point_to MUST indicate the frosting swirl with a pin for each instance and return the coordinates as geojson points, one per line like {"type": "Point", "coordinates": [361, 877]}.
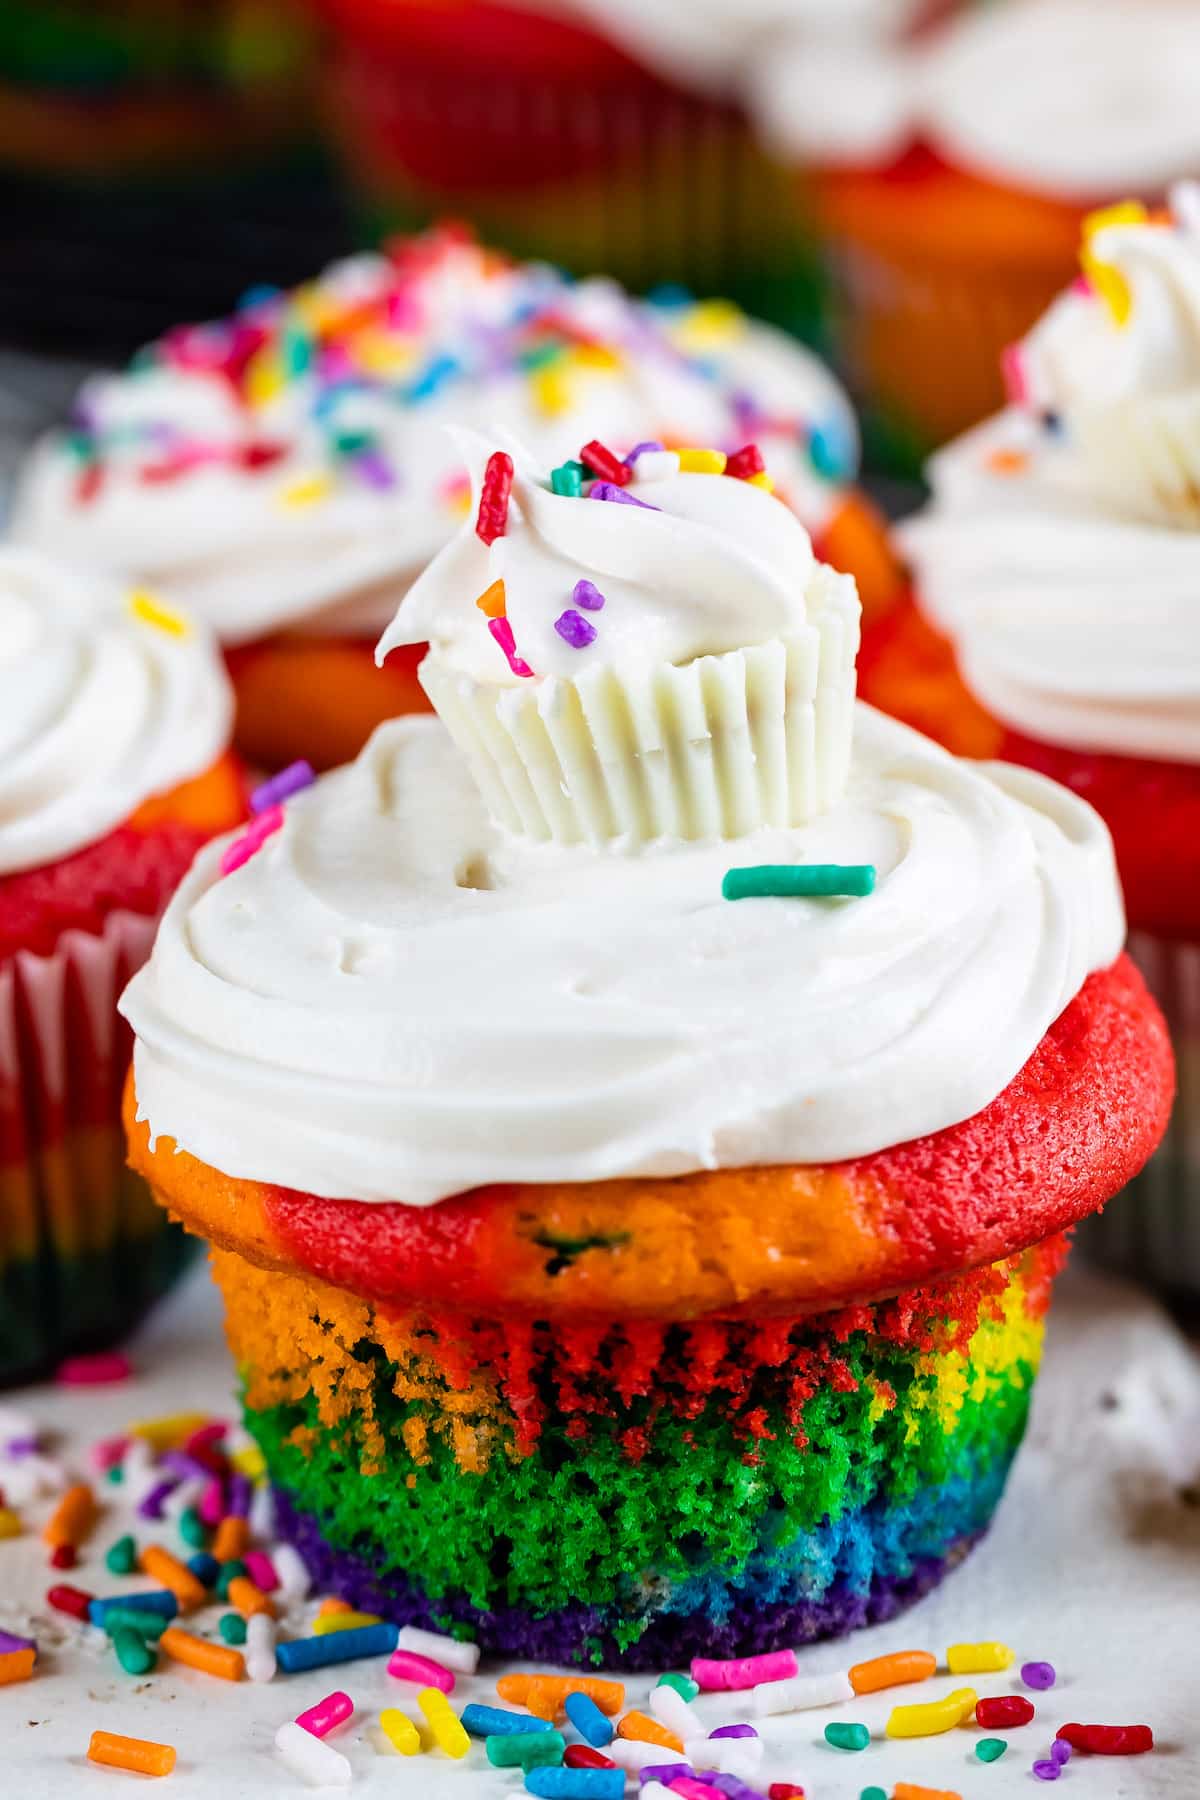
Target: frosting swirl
{"type": "Point", "coordinates": [394, 1000]}
{"type": "Point", "coordinates": [290, 466]}
{"type": "Point", "coordinates": [101, 706]}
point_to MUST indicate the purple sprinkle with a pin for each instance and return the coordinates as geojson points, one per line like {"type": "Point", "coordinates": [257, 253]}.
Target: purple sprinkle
{"type": "Point", "coordinates": [18, 1447]}
{"type": "Point", "coordinates": [238, 1504]}
{"type": "Point", "coordinates": [574, 629]}
{"type": "Point", "coordinates": [186, 1467]}
{"type": "Point", "coordinates": [289, 781]}
{"type": "Point", "coordinates": [1038, 1674]}
{"type": "Point", "coordinates": [647, 444]}
{"type": "Point", "coordinates": [587, 595]}
{"type": "Point", "coordinates": [375, 469]}
{"type": "Point", "coordinates": [1060, 1751]}
{"type": "Point", "coordinates": [151, 1507]}
{"type": "Point", "coordinates": [1045, 1770]}
{"type": "Point", "coordinates": [608, 490]}
{"type": "Point", "coordinates": [731, 1785]}
{"type": "Point", "coordinates": [9, 1642]}
{"type": "Point", "coordinates": [664, 1772]}
{"type": "Point", "coordinates": [734, 1731]}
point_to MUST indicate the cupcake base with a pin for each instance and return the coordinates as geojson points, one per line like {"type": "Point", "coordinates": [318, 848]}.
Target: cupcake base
{"type": "Point", "coordinates": [635, 1493]}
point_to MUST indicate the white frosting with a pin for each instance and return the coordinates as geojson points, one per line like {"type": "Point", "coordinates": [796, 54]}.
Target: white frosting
{"type": "Point", "coordinates": [394, 1001]}
{"type": "Point", "coordinates": [99, 710]}
{"type": "Point", "coordinates": [718, 565]}
{"type": "Point", "coordinates": [230, 544]}
{"type": "Point", "coordinates": [1066, 97]}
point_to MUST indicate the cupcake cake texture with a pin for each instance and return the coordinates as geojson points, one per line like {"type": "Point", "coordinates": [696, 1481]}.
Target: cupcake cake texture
{"type": "Point", "coordinates": [950, 162]}
{"type": "Point", "coordinates": [285, 474]}
{"type": "Point", "coordinates": [1052, 622]}
{"type": "Point", "coordinates": [604, 138]}
{"type": "Point", "coordinates": [633, 1244]}
{"type": "Point", "coordinates": [115, 718]}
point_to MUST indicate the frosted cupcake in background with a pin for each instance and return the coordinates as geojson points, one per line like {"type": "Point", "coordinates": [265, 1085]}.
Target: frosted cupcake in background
{"type": "Point", "coordinates": [286, 473]}
{"type": "Point", "coordinates": [638, 1112]}
{"type": "Point", "coordinates": [1055, 624]}
{"type": "Point", "coordinates": [115, 718]}
{"type": "Point", "coordinates": [951, 169]}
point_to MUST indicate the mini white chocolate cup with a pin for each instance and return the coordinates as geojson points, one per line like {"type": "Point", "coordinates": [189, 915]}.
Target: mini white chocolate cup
{"type": "Point", "coordinates": [713, 748]}
{"type": "Point", "coordinates": [1143, 456]}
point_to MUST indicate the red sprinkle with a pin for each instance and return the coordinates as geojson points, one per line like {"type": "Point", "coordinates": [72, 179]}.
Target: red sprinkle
{"type": "Point", "coordinates": [259, 455]}
{"type": "Point", "coordinates": [63, 1556]}
{"type": "Point", "coordinates": [1004, 1710]}
{"type": "Point", "coordinates": [1108, 1740]}
{"type": "Point", "coordinates": [603, 463]}
{"type": "Point", "coordinates": [91, 1371]}
{"type": "Point", "coordinates": [745, 462]}
{"type": "Point", "coordinates": [492, 516]}
{"type": "Point", "coordinates": [88, 484]}
{"type": "Point", "coordinates": [582, 1756]}
{"type": "Point", "coordinates": [71, 1600]}
{"type": "Point", "coordinates": [785, 1790]}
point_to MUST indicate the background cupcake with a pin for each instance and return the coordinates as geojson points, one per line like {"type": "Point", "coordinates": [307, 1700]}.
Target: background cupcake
{"type": "Point", "coordinates": [603, 138]}
{"type": "Point", "coordinates": [114, 724]}
{"type": "Point", "coordinates": [951, 169]}
{"type": "Point", "coordinates": [741, 1233]}
{"type": "Point", "coordinates": [286, 473]}
{"type": "Point", "coordinates": [1054, 624]}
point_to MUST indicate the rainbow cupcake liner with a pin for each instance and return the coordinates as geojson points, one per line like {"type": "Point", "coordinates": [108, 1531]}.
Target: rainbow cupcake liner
{"type": "Point", "coordinates": [635, 1493]}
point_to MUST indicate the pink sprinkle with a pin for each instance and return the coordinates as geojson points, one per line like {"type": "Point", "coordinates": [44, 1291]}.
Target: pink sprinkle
{"type": "Point", "coordinates": [502, 631]}
{"type": "Point", "coordinates": [744, 1671]}
{"type": "Point", "coordinates": [688, 1788]}
{"type": "Point", "coordinates": [319, 1720]}
{"type": "Point", "coordinates": [1082, 284]}
{"type": "Point", "coordinates": [252, 839]}
{"type": "Point", "coordinates": [406, 1665]}
{"type": "Point", "coordinates": [108, 1452]}
{"type": "Point", "coordinates": [261, 1571]}
{"type": "Point", "coordinates": [1012, 368]}
{"type": "Point", "coordinates": [212, 1504]}
{"type": "Point", "coordinates": [92, 1371]}
{"type": "Point", "coordinates": [403, 311]}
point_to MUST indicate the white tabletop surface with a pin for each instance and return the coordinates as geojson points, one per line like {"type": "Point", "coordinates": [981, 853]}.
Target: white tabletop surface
{"type": "Point", "coordinates": [1094, 1565]}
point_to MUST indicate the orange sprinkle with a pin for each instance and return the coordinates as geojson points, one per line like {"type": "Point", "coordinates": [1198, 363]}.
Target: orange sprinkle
{"type": "Point", "coordinates": [233, 1535]}
{"type": "Point", "coordinates": [72, 1518]}
{"type": "Point", "coordinates": [909, 1790]}
{"type": "Point", "coordinates": [170, 1573]}
{"type": "Point", "coordinates": [645, 1730]}
{"type": "Point", "coordinates": [608, 1695]}
{"type": "Point", "coordinates": [544, 1700]}
{"type": "Point", "coordinates": [1007, 462]}
{"type": "Point", "coordinates": [136, 1754]}
{"type": "Point", "coordinates": [212, 1659]}
{"type": "Point", "coordinates": [493, 601]}
{"type": "Point", "coordinates": [892, 1671]}
{"type": "Point", "coordinates": [249, 1599]}
{"type": "Point", "coordinates": [16, 1665]}
{"type": "Point", "coordinates": [331, 1604]}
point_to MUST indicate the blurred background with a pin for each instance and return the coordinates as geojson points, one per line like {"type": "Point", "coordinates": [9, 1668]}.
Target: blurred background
{"type": "Point", "coordinates": [899, 182]}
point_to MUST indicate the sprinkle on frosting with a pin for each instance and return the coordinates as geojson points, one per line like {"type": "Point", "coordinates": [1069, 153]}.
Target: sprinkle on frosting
{"type": "Point", "coordinates": [799, 880]}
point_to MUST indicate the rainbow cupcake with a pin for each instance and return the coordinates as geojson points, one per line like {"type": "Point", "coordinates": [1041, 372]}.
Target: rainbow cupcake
{"type": "Point", "coordinates": [1052, 617]}
{"type": "Point", "coordinates": [286, 473]}
{"type": "Point", "coordinates": [114, 725]}
{"type": "Point", "coordinates": [632, 1248]}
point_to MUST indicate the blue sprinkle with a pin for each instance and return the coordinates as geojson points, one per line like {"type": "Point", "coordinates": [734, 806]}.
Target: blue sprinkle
{"type": "Point", "coordinates": [204, 1567]}
{"type": "Point", "coordinates": [434, 375]}
{"type": "Point", "coordinates": [831, 451]}
{"type": "Point", "coordinates": [495, 1721]}
{"type": "Point", "coordinates": [576, 1784]}
{"type": "Point", "coordinates": [671, 294]}
{"type": "Point", "coordinates": [336, 1647]}
{"type": "Point", "coordinates": [160, 1601]}
{"type": "Point", "coordinates": [263, 294]}
{"type": "Point", "coordinates": [588, 1720]}
{"type": "Point", "coordinates": [575, 630]}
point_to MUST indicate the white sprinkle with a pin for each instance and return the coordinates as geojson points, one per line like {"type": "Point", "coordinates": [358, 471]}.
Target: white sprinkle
{"type": "Point", "coordinates": [632, 1753]}
{"type": "Point", "coordinates": [672, 1710]}
{"type": "Point", "coordinates": [447, 1650]}
{"type": "Point", "coordinates": [260, 1647]}
{"type": "Point", "coordinates": [731, 1756]}
{"type": "Point", "coordinates": [656, 465]}
{"type": "Point", "coordinates": [261, 1518]}
{"type": "Point", "coordinates": [800, 1692]}
{"type": "Point", "coordinates": [309, 1757]}
{"type": "Point", "coordinates": [180, 1498]}
{"type": "Point", "coordinates": [294, 1579]}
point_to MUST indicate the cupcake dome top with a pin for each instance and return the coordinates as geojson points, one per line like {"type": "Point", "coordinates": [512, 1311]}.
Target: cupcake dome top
{"type": "Point", "coordinates": [107, 697]}
{"type": "Point", "coordinates": [1060, 552]}
{"type": "Point", "coordinates": [290, 464]}
{"type": "Point", "coordinates": [401, 997]}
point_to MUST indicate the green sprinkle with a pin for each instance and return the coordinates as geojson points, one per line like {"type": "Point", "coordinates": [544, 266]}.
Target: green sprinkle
{"type": "Point", "coordinates": [567, 479]}
{"type": "Point", "coordinates": [525, 1749]}
{"type": "Point", "coordinates": [229, 1571]}
{"type": "Point", "coordinates": [134, 1654]}
{"type": "Point", "coordinates": [799, 881]}
{"type": "Point", "coordinates": [232, 1628]}
{"type": "Point", "coordinates": [115, 1475]}
{"type": "Point", "coordinates": [121, 1558]}
{"type": "Point", "coordinates": [353, 443]}
{"type": "Point", "coordinates": [990, 1749]}
{"type": "Point", "coordinates": [873, 1793]}
{"type": "Point", "coordinates": [129, 1618]}
{"type": "Point", "coordinates": [296, 352]}
{"type": "Point", "coordinates": [847, 1737]}
{"type": "Point", "coordinates": [539, 355]}
{"type": "Point", "coordinates": [191, 1528]}
{"type": "Point", "coordinates": [683, 1684]}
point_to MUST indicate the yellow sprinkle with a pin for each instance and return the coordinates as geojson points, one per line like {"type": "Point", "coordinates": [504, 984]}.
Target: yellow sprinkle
{"type": "Point", "coordinates": [444, 1722]}
{"type": "Point", "coordinates": [762, 480]}
{"type": "Point", "coordinates": [1125, 212]}
{"type": "Point", "coordinates": [249, 1462]}
{"type": "Point", "coordinates": [978, 1659]}
{"type": "Point", "coordinates": [150, 611]}
{"type": "Point", "coordinates": [551, 389]}
{"type": "Point", "coordinates": [169, 1431]}
{"type": "Point", "coordinates": [1107, 280]}
{"type": "Point", "coordinates": [326, 1623]}
{"type": "Point", "coordinates": [308, 491]}
{"type": "Point", "coordinates": [380, 353]}
{"type": "Point", "coordinates": [264, 378]}
{"type": "Point", "coordinates": [933, 1717]}
{"type": "Point", "coordinates": [400, 1731]}
{"type": "Point", "coordinates": [710, 324]}
{"type": "Point", "coordinates": [702, 462]}
{"type": "Point", "coordinates": [594, 356]}
{"type": "Point", "coordinates": [10, 1524]}
{"type": "Point", "coordinates": [493, 601]}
